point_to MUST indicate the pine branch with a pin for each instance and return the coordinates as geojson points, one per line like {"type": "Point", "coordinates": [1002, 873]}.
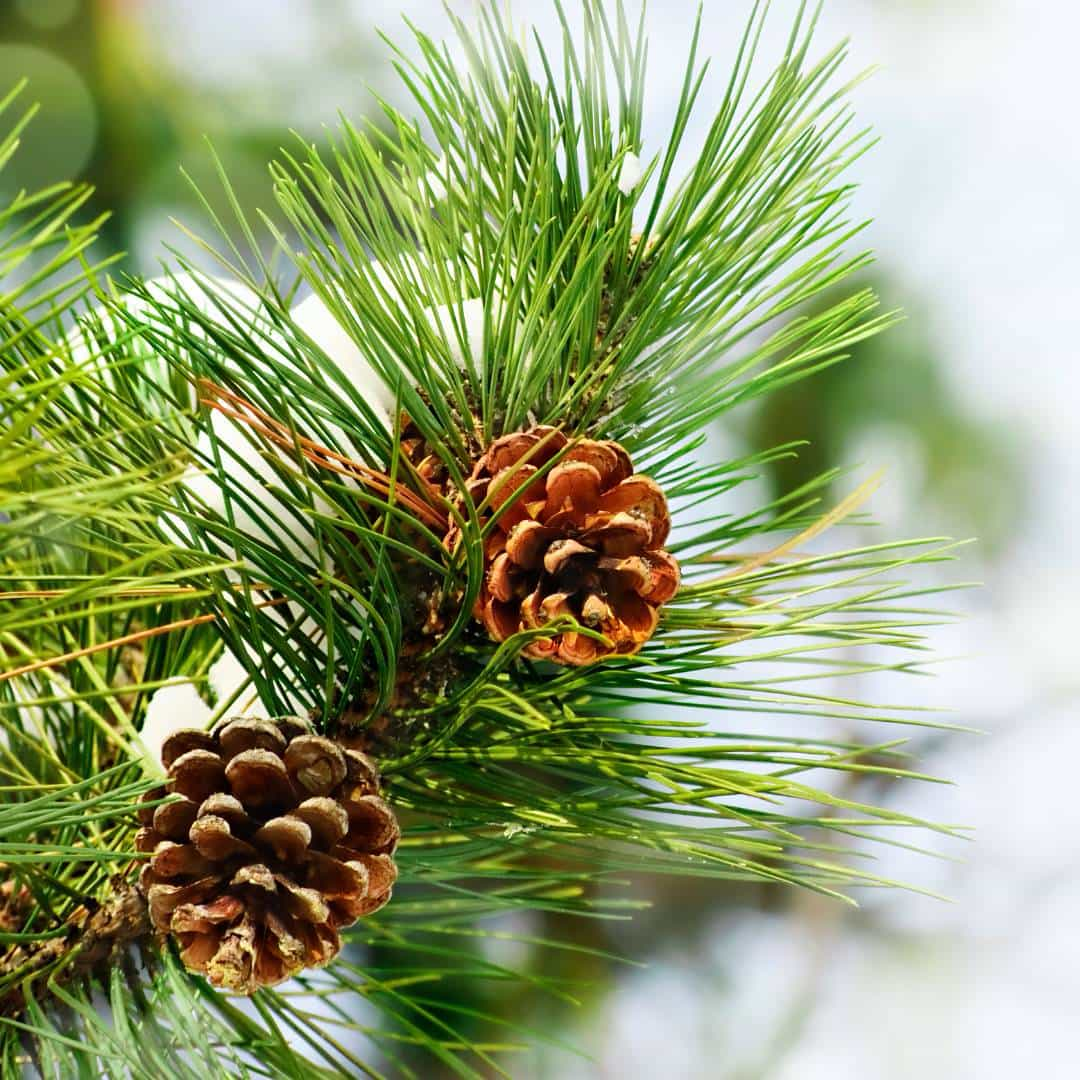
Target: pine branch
{"type": "Point", "coordinates": [205, 473]}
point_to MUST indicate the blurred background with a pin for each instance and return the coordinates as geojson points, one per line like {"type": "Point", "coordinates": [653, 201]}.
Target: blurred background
{"type": "Point", "coordinates": [971, 405]}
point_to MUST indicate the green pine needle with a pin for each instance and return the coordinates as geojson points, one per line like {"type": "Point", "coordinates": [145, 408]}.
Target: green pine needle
{"type": "Point", "coordinates": [638, 313]}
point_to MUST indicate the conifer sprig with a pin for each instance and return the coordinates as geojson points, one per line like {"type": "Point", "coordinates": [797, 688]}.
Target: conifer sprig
{"type": "Point", "coordinates": [195, 471]}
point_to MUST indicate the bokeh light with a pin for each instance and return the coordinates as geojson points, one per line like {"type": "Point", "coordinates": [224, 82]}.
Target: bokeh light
{"type": "Point", "coordinates": [58, 145]}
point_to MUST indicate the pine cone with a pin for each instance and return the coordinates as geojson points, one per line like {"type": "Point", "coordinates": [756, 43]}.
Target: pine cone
{"type": "Point", "coordinates": [585, 539]}
{"type": "Point", "coordinates": [279, 840]}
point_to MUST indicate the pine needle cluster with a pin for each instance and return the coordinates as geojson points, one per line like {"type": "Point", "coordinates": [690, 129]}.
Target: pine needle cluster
{"type": "Point", "coordinates": [188, 472]}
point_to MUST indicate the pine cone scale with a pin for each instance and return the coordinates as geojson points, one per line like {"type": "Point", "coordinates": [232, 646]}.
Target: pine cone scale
{"type": "Point", "coordinates": [527, 542]}
{"type": "Point", "coordinates": [287, 838]}
{"type": "Point", "coordinates": [327, 820]}
{"type": "Point", "coordinates": [213, 838]}
{"type": "Point", "coordinates": [197, 774]}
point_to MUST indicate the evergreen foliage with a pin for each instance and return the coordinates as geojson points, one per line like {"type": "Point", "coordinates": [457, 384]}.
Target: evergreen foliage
{"type": "Point", "coordinates": [504, 270]}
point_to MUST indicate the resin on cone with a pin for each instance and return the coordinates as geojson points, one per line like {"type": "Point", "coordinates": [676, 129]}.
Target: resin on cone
{"type": "Point", "coordinates": [278, 840]}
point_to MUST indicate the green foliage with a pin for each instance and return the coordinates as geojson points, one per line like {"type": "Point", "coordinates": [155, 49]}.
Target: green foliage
{"type": "Point", "coordinates": [639, 313]}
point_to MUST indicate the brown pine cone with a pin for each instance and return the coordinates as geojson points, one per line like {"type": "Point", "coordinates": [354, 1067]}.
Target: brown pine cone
{"type": "Point", "coordinates": [280, 839]}
{"type": "Point", "coordinates": [585, 539]}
